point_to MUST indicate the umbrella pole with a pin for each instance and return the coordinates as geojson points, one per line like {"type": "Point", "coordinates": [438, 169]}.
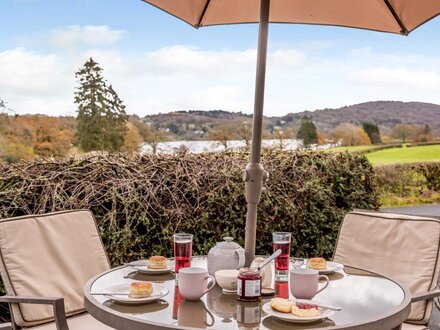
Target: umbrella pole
{"type": "Point", "coordinates": [255, 175]}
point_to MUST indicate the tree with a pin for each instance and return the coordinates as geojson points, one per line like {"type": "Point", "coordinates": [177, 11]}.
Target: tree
{"type": "Point", "coordinates": [373, 133]}
{"type": "Point", "coordinates": [349, 135]}
{"type": "Point", "coordinates": [243, 130]}
{"type": "Point", "coordinates": [223, 133]}
{"type": "Point", "coordinates": [282, 134]}
{"type": "Point", "coordinates": [422, 134]}
{"type": "Point", "coordinates": [149, 134]}
{"type": "Point", "coordinates": [402, 132]}
{"type": "Point", "coordinates": [101, 117]}
{"type": "Point", "coordinates": [307, 132]}
{"type": "Point", "coordinates": [132, 140]}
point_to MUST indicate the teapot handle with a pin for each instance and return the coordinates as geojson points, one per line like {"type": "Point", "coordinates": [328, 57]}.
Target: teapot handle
{"type": "Point", "coordinates": [241, 258]}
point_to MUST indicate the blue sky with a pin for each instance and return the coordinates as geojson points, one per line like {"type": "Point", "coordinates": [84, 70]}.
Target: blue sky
{"type": "Point", "coordinates": [158, 63]}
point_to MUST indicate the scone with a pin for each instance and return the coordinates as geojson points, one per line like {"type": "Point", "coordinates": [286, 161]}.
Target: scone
{"type": "Point", "coordinates": [317, 263]}
{"type": "Point", "coordinates": [281, 305]}
{"type": "Point", "coordinates": [304, 311]}
{"type": "Point", "coordinates": [157, 262]}
{"type": "Point", "coordinates": [141, 289]}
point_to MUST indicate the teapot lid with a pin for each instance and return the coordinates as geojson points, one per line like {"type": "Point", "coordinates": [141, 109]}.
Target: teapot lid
{"type": "Point", "coordinates": [229, 244]}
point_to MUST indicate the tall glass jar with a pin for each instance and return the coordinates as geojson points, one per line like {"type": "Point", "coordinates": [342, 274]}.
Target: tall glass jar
{"type": "Point", "coordinates": [249, 285]}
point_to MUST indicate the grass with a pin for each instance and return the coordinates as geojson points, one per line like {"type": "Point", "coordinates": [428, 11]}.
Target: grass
{"type": "Point", "coordinates": [405, 155]}
{"type": "Point", "coordinates": [350, 148]}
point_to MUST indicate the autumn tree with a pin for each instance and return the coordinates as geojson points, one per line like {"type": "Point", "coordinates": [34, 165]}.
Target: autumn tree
{"type": "Point", "coordinates": [132, 140]}
{"type": "Point", "coordinates": [101, 117]}
{"type": "Point", "coordinates": [373, 133]}
{"type": "Point", "coordinates": [243, 130]}
{"type": "Point", "coordinates": [282, 134]}
{"type": "Point", "coordinates": [422, 133]}
{"type": "Point", "coordinates": [402, 132]}
{"type": "Point", "coordinates": [149, 134]}
{"type": "Point", "coordinates": [307, 132]}
{"type": "Point", "coordinates": [349, 135]}
{"type": "Point", "coordinates": [223, 133]}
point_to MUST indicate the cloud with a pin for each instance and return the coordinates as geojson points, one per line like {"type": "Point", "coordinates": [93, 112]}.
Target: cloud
{"type": "Point", "coordinates": [398, 77]}
{"type": "Point", "coordinates": [88, 36]}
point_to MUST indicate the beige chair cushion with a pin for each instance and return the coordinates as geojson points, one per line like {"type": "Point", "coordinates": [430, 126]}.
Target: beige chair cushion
{"type": "Point", "coordinates": [404, 248]}
{"type": "Point", "coordinates": [409, 326]}
{"type": "Point", "coordinates": [51, 255]}
{"type": "Point", "coordinates": [78, 322]}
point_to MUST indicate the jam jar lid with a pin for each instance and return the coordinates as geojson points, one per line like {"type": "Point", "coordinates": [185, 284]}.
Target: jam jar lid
{"type": "Point", "coordinates": [249, 271]}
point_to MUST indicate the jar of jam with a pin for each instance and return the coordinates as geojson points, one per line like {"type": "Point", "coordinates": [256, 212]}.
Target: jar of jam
{"type": "Point", "coordinates": [249, 285]}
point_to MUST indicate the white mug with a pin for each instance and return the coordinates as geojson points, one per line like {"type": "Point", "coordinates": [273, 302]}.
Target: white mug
{"type": "Point", "coordinates": [304, 283]}
{"type": "Point", "coordinates": [193, 282]}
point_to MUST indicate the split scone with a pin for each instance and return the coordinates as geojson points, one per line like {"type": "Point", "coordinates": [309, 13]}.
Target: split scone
{"type": "Point", "coordinates": [281, 305]}
{"type": "Point", "coordinates": [157, 262]}
{"type": "Point", "coordinates": [304, 310]}
{"type": "Point", "coordinates": [317, 263]}
{"type": "Point", "coordinates": [141, 289]}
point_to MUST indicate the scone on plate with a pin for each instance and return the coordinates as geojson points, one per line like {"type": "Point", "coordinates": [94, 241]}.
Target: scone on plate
{"type": "Point", "coordinates": [304, 310]}
{"type": "Point", "coordinates": [141, 289]}
{"type": "Point", "coordinates": [317, 263]}
{"type": "Point", "coordinates": [281, 305]}
{"type": "Point", "coordinates": [157, 262]}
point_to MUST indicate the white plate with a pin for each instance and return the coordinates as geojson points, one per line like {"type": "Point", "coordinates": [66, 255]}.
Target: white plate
{"type": "Point", "coordinates": [331, 268]}
{"type": "Point", "coordinates": [159, 291]}
{"type": "Point", "coordinates": [142, 267]}
{"type": "Point", "coordinates": [289, 317]}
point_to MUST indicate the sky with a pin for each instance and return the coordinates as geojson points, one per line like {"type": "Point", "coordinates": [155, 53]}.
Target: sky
{"type": "Point", "coordinates": [157, 63]}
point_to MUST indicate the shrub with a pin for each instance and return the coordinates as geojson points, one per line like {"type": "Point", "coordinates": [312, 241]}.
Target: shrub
{"type": "Point", "coordinates": [140, 202]}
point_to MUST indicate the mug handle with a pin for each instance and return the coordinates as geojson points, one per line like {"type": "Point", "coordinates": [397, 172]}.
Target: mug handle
{"type": "Point", "coordinates": [210, 285]}
{"type": "Point", "coordinates": [326, 284]}
{"type": "Point", "coordinates": [241, 259]}
{"type": "Point", "coordinates": [211, 316]}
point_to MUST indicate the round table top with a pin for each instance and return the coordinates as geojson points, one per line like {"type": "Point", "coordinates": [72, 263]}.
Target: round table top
{"type": "Point", "coordinates": [368, 301]}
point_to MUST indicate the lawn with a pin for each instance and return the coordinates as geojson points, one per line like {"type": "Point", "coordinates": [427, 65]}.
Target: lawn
{"type": "Point", "coordinates": [405, 155]}
{"type": "Point", "coordinates": [349, 148]}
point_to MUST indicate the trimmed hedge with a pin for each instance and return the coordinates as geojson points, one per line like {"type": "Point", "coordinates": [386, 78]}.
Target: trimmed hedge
{"type": "Point", "coordinates": [140, 202]}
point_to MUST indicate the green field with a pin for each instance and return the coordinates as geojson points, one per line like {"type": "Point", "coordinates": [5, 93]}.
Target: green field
{"type": "Point", "coordinates": [349, 148]}
{"type": "Point", "coordinates": [405, 155]}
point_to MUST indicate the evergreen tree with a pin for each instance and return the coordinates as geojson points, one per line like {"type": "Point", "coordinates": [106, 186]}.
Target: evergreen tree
{"type": "Point", "coordinates": [373, 133]}
{"type": "Point", "coordinates": [101, 117]}
{"type": "Point", "coordinates": [307, 132]}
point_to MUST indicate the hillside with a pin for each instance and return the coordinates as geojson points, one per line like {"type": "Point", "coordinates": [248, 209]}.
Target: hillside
{"type": "Point", "coordinates": [382, 113]}
{"type": "Point", "coordinates": [193, 124]}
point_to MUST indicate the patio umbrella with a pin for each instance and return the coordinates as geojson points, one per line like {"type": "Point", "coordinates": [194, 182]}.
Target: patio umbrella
{"type": "Point", "coordinates": [394, 16]}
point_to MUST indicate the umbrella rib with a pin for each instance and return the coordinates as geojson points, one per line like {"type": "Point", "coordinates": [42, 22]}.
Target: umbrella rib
{"type": "Point", "coordinates": [404, 30]}
{"type": "Point", "coordinates": [203, 13]}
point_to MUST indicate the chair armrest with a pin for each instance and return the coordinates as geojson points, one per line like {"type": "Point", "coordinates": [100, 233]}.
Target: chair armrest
{"type": "Point", "coordinates": [425, 295]}
{"type": "Point", "coordinates": [57, 303]}
{"type": "Point", "coordinates": [6, 326]}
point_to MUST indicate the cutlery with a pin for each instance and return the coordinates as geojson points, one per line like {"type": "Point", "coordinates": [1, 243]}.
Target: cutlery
{"type": "Point", "coordinates": [123, 294]}
{"type": "Point", "coordinates": [266, 262]}
{"type": "Point", "coordinates": [333, 308]}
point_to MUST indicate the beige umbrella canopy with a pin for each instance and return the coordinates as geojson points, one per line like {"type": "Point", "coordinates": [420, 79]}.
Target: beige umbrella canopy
{"type": "Point", "coordinates": [394, 16]}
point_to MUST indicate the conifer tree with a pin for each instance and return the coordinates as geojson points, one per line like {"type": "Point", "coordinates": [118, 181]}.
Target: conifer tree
{"type": "Point", "coordinates": [307, 132]}
{"type": "Point", "coordinates": [373, 132]}
{"type": "Point", "coordinates": [101, 117]}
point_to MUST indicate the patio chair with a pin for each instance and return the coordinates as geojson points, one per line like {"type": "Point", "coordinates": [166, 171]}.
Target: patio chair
{"type": "Point", "coordinates": [401, 247]}
{"type": "Point", "coordinates": [45, 261]}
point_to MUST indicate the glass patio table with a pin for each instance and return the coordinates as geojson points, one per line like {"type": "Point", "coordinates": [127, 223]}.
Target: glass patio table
{"type": "Point", "coordinates": [368, 301]}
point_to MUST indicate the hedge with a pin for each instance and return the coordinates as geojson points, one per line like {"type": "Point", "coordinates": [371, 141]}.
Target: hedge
{"type": "Point", "coordinates": [140, 202]}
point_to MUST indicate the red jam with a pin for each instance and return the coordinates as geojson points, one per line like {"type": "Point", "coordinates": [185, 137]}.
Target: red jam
{"type": "Point", "coordinates": [249, 285]}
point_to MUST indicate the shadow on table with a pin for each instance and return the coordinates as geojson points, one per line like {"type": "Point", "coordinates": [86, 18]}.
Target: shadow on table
{"type": "Point", "coordinates": [137, 309]}
{"type": "Point", "coordinates": [272, 323]}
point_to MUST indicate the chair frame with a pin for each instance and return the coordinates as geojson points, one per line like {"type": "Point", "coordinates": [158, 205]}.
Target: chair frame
{"type": "Point", "coordinates": [57, 304]}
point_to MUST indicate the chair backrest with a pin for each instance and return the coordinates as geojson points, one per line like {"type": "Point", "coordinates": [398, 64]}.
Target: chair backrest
{"type": "Point", "coordinates": [51, 255]}
{"type": "Point", "coordinates": [401, 247]}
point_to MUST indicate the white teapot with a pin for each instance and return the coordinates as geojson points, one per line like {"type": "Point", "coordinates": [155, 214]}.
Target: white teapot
{"type": "Point", "coordinates": [225, 255]}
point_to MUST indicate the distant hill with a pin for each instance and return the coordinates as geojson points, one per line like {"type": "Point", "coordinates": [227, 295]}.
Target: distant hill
{"type": "Point", "coordinates": [193, 124]}
{"type": "Point", "coordinates": [382, 113]}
